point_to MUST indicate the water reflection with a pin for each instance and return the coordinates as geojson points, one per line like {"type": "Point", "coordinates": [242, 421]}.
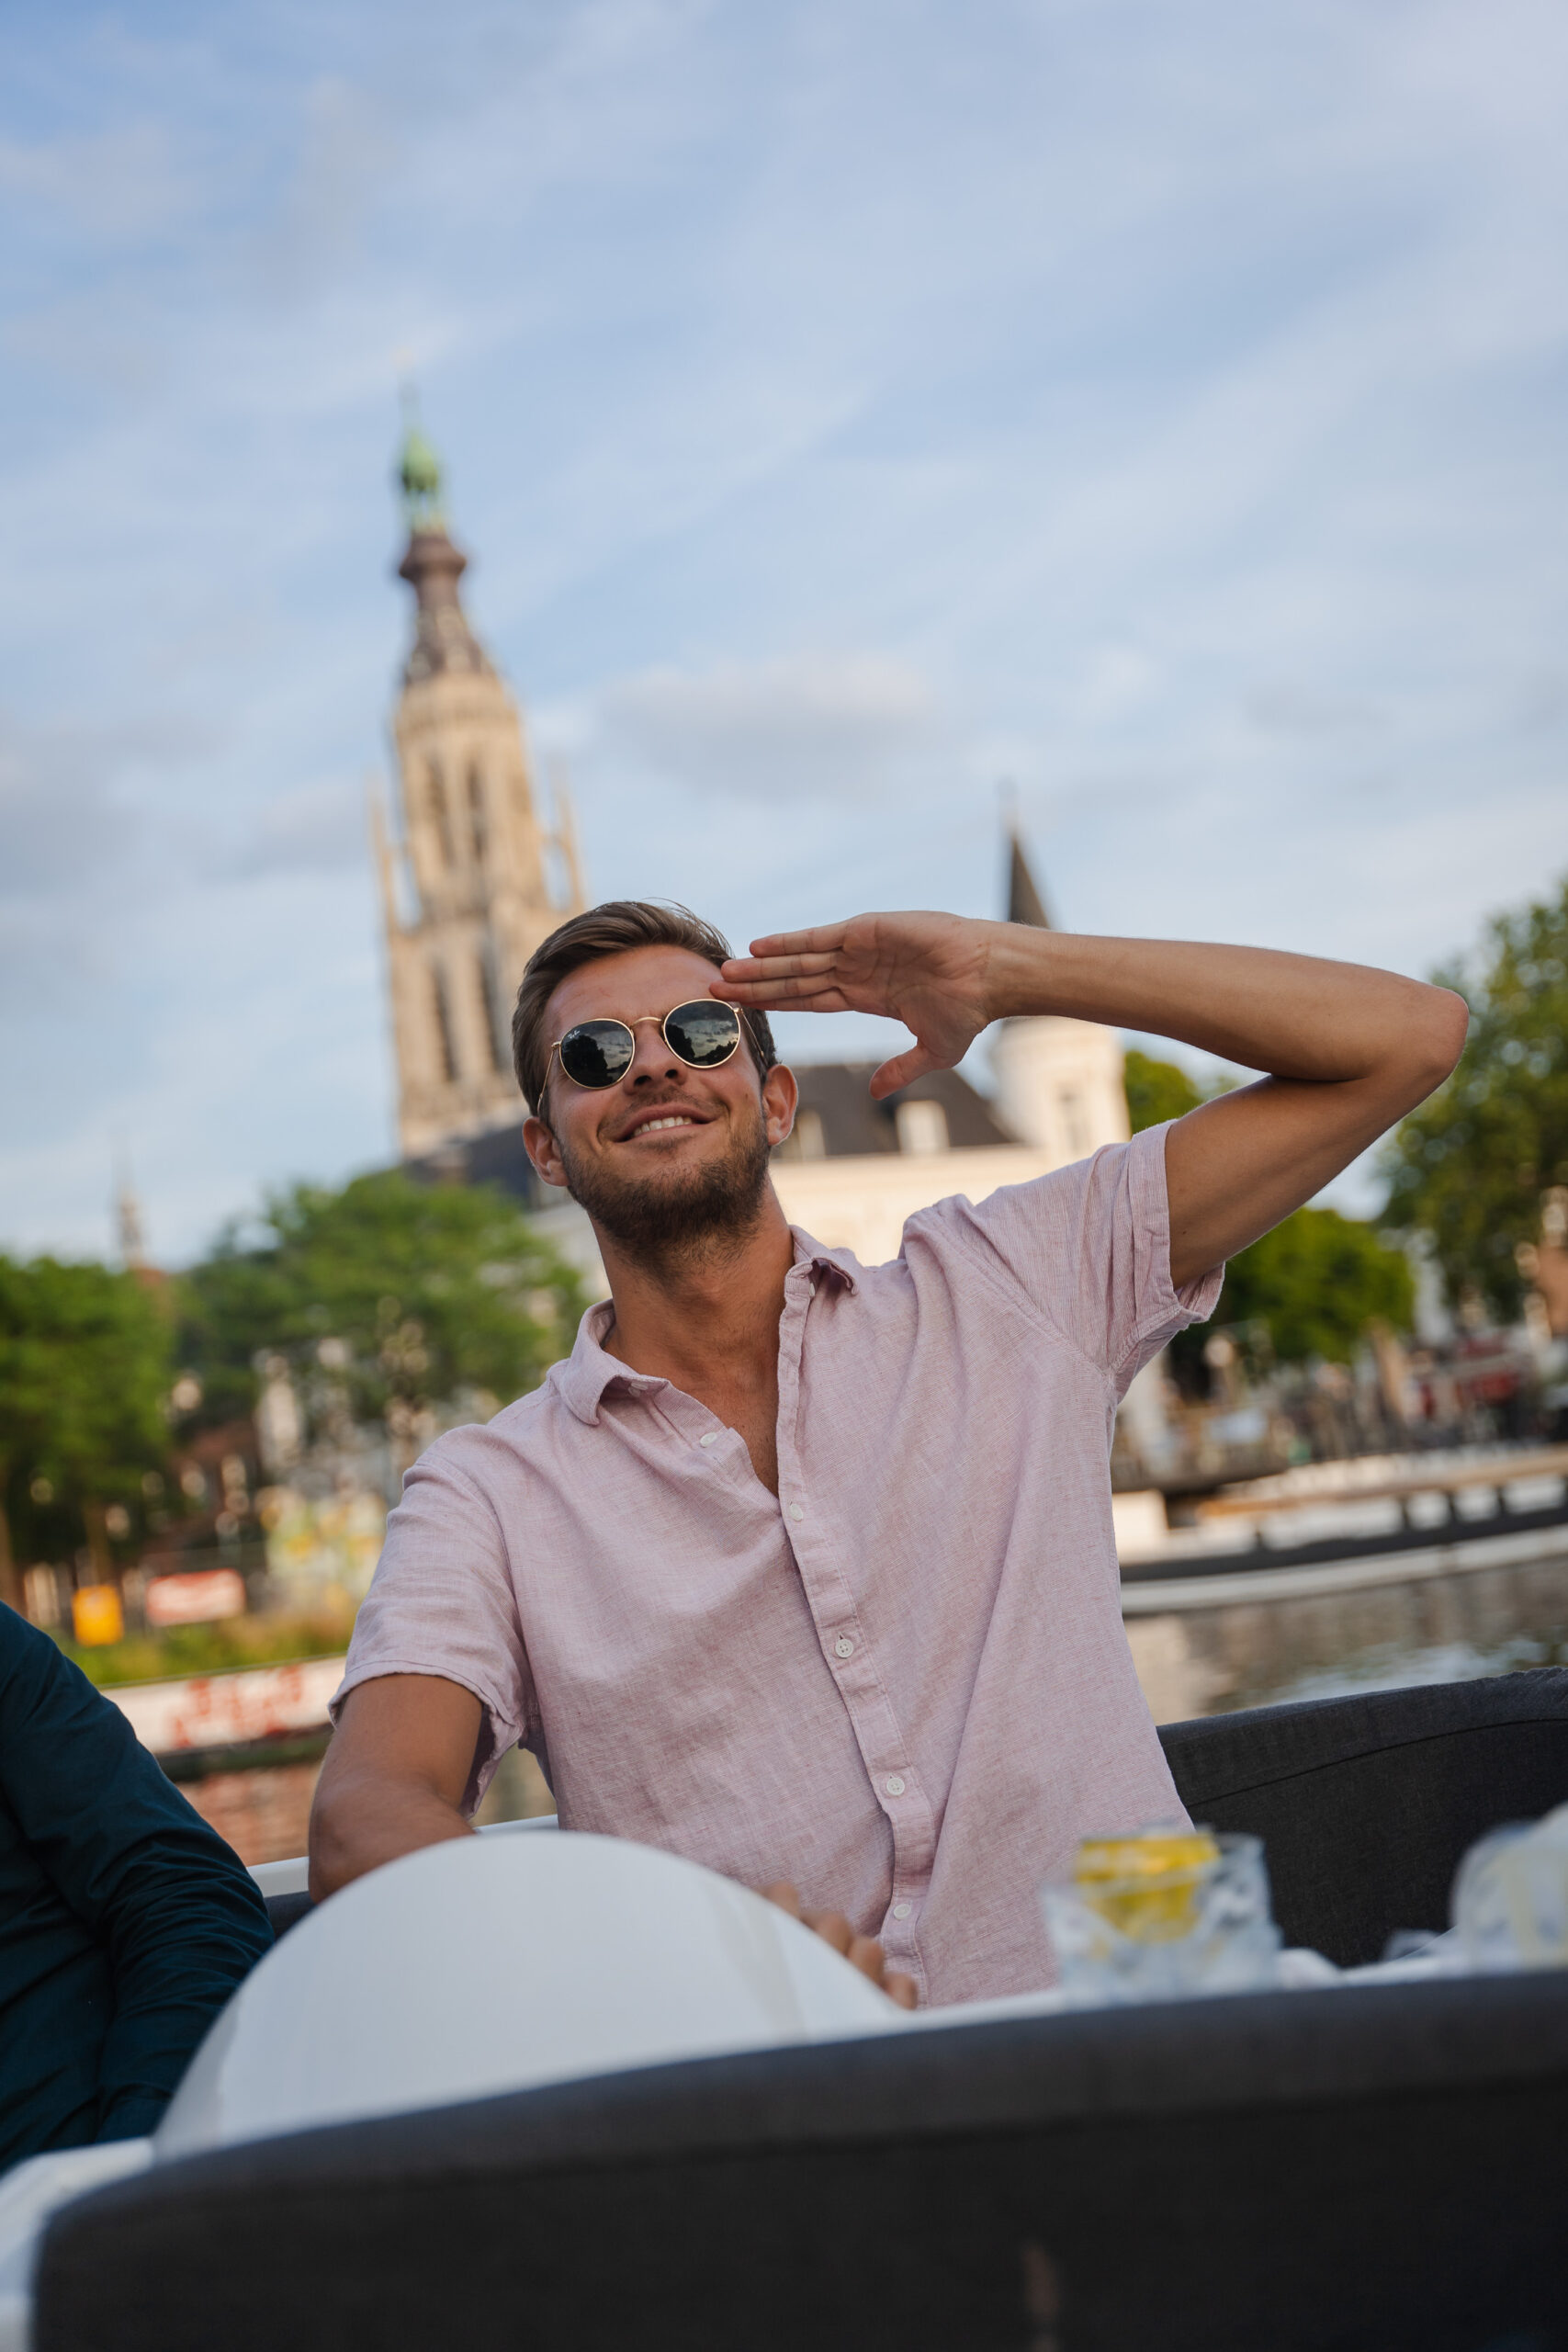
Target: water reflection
{"type": "Point", "coordinates": [264, 1811]}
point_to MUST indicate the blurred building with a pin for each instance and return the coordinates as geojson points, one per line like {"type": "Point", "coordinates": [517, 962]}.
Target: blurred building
{"type": "Point", "coordinates": [471, 879]}
{"type": "Point", "coordinates": [854, 1171]}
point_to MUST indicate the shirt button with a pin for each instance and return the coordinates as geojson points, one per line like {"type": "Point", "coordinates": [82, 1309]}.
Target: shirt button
{"type": "Point", "coordinates": [902, 1910]}
{"type": "Point", "coordinates": [893, 1784]}
{"type": "Point", "coordinates": [798, 1511]}
{"type": "Point", "coordinates": [843, 1647]}
{"type": "Point", "coordinates": [708, 1437]}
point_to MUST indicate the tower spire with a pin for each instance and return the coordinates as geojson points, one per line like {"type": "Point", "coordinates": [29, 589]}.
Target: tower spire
{"type": "Point", "coordinates": [431, 564]}
{"type": "Point", "coordinates": [1024, 901]}
{"type": "Point", "coordinates": [467, 886]}
{"type": "Point", "coordinates": [419, 470]}
{"type": "Point", "coordinates": [131, 1232]}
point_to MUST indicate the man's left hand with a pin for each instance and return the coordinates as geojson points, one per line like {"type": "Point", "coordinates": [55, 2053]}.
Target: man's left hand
{"type": "Point", "coordinates": [928, 971]}
{"type": "Point", "coordinates": [862, 1952]}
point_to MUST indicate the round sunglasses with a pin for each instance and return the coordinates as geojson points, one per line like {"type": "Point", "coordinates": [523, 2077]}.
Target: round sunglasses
{"type": "Point", "coordinates": [703, 1034]}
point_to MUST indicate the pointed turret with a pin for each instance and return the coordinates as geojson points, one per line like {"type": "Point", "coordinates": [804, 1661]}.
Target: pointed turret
{"type": "Point", "coordinates": [1058, 1081]}
{"type": "Point", "coordinates": [1024, 901]}
{"type": "Point", "coordinates": [129, 1230]}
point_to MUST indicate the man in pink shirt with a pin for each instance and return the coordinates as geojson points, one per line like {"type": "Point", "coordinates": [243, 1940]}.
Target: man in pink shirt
{"type": "Point", "coordinates": [805, 1569]}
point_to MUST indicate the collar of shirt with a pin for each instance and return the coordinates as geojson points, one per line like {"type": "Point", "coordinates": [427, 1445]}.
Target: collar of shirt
{"type": "Point", "coordinates": [581, 1381]}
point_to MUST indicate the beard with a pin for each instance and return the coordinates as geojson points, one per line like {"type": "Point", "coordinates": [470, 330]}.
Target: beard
{"type": "Point", "coordinates": [685, 1214]}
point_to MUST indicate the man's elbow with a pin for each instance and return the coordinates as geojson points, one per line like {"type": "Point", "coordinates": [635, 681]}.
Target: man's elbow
{"type": "Point", "coordinates": [1438, 1037]}
{"type": "Point", "coordinates": [332, 1845]}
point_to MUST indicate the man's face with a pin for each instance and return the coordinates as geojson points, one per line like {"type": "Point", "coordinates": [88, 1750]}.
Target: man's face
{"type": "Point", "coordinates": [669, 1156]}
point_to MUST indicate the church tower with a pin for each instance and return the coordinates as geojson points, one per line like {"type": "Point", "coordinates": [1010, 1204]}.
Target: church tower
{"type": "Point", "coordinates": [465, 888]}
{"type": "Point", "coordinates": [1059, 1082]}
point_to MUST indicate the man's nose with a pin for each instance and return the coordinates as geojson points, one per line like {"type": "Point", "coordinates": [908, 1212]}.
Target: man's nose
{"type": "Point", "coordinates": [653, 1058]}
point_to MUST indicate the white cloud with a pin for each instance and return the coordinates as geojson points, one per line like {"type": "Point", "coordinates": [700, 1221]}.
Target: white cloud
{"type": "Point", "coordinates": [809, 728]}
{"type": "Point", "coordinates": [1168, 399]}
{"type": "Point", "coordinates": [315, 828]}
{"type": "Point", "coordinates": [120, 185]}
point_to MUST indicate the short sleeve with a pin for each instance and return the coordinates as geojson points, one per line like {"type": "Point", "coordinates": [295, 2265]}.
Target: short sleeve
{"type": "Point", "coordinates": [442, 1602]}
{"type": "Point", "coordinates": [1089, 1247]}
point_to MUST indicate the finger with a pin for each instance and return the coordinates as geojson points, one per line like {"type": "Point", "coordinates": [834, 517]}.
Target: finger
{"type": "Point", "coordinates": [866, 1955]}
{"type": "Point", "coordinates": [775, 967]}
{"type": "Point", "coordinates": [833, 1929]}
{"type": "Point", "coordinates": [901, 1988]}
{"type": "Point", "coordinates": [785, 1896]}
{"type": "Point", "coordinates": [903, 1071]}
{"type": "Point", "coordinates": [826, 936]}
{"type": "Point", "coordinates": [783, 996]}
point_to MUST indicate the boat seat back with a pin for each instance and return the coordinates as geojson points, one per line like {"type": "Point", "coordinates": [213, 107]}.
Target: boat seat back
{"type": "Point", "coordinates": [1366, 1804]}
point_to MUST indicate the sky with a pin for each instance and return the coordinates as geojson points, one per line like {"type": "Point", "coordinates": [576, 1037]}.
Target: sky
{"type": "Point", "coordinates": [851, 409]}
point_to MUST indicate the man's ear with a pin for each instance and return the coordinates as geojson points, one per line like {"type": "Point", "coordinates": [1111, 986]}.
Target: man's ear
{"type": "Point", "coordinates": [780, 1096]}
{"type": "Point", "coordinates": [545, 1152]}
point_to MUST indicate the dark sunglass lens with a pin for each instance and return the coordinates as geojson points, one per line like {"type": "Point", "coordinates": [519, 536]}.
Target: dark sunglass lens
{"type": "Point", "coordinates": [702, 1033]}
{"type": "Point", "coordinates": [596, 1053]}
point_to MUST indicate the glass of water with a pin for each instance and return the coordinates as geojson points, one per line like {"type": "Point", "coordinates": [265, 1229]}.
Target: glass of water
{"type": "Point", "coordinates": [1162, 1916]}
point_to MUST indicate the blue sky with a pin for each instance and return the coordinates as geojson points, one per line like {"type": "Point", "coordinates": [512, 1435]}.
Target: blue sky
{"type": "Point", "coordinates": [848, 406]}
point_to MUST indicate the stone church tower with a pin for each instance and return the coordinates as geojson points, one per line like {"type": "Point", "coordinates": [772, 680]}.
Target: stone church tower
{"type": "Point", "coordinates": [467, 887]}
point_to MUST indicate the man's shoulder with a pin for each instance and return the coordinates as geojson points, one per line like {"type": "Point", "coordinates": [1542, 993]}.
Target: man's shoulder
{"type": "Point", "coordinates": [1057, 1194]}
{"type": "Point", "coordinates": [478, 1450]}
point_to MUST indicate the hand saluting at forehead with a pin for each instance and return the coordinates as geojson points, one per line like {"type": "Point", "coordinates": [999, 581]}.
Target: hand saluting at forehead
{"type": "Point", "coordinates": [928, 971]}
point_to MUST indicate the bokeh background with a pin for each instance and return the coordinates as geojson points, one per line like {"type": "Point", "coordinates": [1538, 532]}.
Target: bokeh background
{"type": "Point", "coordinates": [849, 409]}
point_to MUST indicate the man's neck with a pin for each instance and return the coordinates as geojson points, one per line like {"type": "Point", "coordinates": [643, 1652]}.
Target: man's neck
{"type": "Point", "coordinates": [707, 1317]}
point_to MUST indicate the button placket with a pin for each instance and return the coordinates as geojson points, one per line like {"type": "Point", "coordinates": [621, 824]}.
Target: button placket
{"type": "Point", "coordinates": [830, 1597]}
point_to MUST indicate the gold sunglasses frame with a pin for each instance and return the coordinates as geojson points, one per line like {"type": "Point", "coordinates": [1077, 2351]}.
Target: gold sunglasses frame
{"type": "Point", "coordinates": [631, 1028]}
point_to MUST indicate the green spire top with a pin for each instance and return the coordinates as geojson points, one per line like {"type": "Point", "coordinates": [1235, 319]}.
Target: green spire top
{"type": "Point", "coordinates": [419, 472]}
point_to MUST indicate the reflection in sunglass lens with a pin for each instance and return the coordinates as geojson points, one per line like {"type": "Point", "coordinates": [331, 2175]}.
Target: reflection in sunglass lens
{"type": "Point", "coordinates": [597, 1052]}
{"type": "Point", "coordinates": [704, 1033]}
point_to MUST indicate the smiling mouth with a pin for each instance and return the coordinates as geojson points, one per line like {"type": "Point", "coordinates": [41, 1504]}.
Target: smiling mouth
{"type": "Point", "coordinates": [663, 1126]}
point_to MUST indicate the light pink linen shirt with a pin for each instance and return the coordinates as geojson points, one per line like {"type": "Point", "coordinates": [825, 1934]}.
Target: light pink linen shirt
{"type": "Point", "coordinates": [903, 1683]}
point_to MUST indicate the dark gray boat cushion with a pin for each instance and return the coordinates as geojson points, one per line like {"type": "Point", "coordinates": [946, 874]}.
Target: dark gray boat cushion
{"type": "Point", "coordinates": [1366, 1804]}
{"type": "Point", "coordinates": [283, 1910]}
{"type": "Point", "coordinates": [1366, 2170]}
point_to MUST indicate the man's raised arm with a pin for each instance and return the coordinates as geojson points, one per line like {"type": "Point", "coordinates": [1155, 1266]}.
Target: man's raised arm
{"type": "Point", "coordinates": [394, 1776]}
{"type": "Point", "coordinates": [1347, 1049]}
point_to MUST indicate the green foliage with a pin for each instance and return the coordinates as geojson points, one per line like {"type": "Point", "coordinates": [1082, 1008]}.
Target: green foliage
{"type": "Point", "coordinates": [1469, 1167]}
{"type": "Point", "coordinates": [1155, 1090]}
{"type": "Point", "coordinates": [210, 1649]}
{"type": "Point", "coordinates": [85, 1362]}
{"type": "Point", "coordinates": [387, 1292]}
{"type": "Point", "coordinates": [1317, 1281]}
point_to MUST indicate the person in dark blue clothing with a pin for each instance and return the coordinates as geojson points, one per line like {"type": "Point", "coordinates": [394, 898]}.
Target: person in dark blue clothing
{"type": "Point", "coordinates": [125, 1921]}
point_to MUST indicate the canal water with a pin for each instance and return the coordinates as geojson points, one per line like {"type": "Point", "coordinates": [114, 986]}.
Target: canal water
{"type": "Point", "coordinates": [263, 1812]}
{"type": "Point", "coordinates": [1205, 1647]}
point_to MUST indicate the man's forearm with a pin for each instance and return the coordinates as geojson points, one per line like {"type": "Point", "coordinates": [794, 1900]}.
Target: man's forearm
{"type": "Point", "coordinates": [365, 1818]}
{"type": "Point", "coordinates": [1293, 1016]}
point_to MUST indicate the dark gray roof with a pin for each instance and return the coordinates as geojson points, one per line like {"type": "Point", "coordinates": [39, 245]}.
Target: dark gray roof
{"type": "Point", "coordinates": [840, 1095]}
{"type": "Point", "coordinates": [495, 1157]}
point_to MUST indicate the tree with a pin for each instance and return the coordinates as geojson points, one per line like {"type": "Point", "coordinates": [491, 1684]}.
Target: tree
{"type": "Point", "coordinates": [1155, 1090]}
{"type": "Point", "coordinates": [406, 1294]}
{"type": "Point", "coordinates": [85, 1362]}
{"type": "Point", "coordinates": [1317, 1281]}
{"type": "Point", "coordinates": [1468, 1169]}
